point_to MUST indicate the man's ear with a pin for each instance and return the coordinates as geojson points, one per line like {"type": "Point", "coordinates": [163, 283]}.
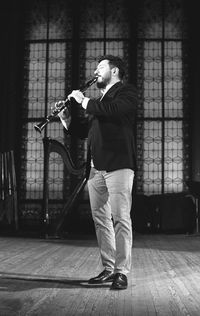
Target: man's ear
{"type": "Point", "coordinates": [116, 71]}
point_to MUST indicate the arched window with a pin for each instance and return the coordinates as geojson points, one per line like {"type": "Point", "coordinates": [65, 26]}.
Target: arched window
{"type": "Point", "coordinates": [63, 40]}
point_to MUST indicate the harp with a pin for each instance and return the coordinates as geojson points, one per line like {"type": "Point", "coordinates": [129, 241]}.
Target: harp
{"type": "Point", "coordinates": [52, 145]}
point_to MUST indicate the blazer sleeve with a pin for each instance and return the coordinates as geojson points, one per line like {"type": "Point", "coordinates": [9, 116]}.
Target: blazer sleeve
{"type": "Point", "coordinates": [123, 102]}
{"type": "Point", "coordinates": [79, 127]}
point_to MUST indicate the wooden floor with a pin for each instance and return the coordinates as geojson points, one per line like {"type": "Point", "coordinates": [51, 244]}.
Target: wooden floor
{"type": "Point", "coordinates": [49, 277]}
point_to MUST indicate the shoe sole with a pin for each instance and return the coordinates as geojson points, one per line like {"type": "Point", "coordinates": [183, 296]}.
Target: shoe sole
{"type": "Point", "coordinates": [119, 288]}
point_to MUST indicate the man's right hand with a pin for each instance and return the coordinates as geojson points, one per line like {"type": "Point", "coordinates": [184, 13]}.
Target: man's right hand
{"type": "Point", "coordinates": [64, 114]}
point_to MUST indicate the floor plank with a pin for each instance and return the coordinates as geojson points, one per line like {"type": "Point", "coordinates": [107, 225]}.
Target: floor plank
{"type": "Point", "coordinates": [49, 277]}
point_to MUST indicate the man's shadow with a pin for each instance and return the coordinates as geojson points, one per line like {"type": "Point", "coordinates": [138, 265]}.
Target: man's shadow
{"type": "Point", "coordinates": [24, 282]}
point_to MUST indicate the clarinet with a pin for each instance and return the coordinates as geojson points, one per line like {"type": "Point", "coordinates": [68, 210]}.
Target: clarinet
{"type": "Point", "coordinates": [61, 105]}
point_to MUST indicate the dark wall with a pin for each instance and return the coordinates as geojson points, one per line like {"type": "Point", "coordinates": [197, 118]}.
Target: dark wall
{"type": "Point", "coordinates": [168, 213]}
{"type": "Point", "coordinates": [11, 58]}
{"type": "Point", "coordinates": [194, 61]}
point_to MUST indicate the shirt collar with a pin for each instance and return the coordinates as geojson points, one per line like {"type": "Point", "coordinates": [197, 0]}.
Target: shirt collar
{"type": "Point", "coordinates": [104, 91]}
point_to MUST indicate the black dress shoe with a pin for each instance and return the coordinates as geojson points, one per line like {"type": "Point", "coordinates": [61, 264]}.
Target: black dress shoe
{"type": "Point", "coordinates": [105, 276]}
{"type": "Point", "coordinates": [120, 282]}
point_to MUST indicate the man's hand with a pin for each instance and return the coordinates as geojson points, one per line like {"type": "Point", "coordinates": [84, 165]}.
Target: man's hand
{"type": "Point", "coordinates": [64, 114]}
{"type": "Point", "coordinates": [77, 95]}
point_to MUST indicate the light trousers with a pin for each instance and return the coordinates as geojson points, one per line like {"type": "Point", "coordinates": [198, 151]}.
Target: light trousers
{"type": "Point", "coordinates": [110, 199]}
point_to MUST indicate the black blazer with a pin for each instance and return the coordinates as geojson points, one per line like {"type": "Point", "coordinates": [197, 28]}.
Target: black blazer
{"type": "Point", "coordinates": [110, 128]}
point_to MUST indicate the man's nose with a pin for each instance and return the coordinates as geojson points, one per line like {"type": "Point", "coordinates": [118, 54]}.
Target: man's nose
{"type": "Point", "coordinates": [96, 72]}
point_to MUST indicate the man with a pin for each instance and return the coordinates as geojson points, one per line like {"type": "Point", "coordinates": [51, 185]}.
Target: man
{"type": "Point", "coordinates": [112, 149]}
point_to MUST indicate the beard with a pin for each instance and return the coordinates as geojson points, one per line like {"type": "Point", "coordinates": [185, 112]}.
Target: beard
{"type": "Point", "coordinates": [101, 85]}
{"type": "Point", "coordinates": [104, 82]}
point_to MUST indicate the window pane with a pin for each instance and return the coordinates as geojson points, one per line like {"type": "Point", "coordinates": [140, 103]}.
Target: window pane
{"type": "Point", "coordinates": [60, 20]}
{"type": "Point", "coordinates": [34, 165]}
{"type": "Point", "coordinates": [173, 80]}
{"type": "Point", "coordinates": [152, 80]}
{"type": "Point", "coordinates": [150, 19]}
{"type": "Point", "coordinates": [92, 19]}
{"type": "Point", "coordinates": [36, 67]}
{"type": "Point", "coordinates": [36, 20]}
{"type": "Point", "coordinates": [152, 155]}
{"type": "Point", "coordinates": [173, 156]}
{"type": "Point", "coordinates": [175, 20]}
{"type": "Point", "coordinates": [57, 72]}
{"type": "Point", "coordinates": [93, 50]}
{"type": "Point", "coordinates": [116, 19]}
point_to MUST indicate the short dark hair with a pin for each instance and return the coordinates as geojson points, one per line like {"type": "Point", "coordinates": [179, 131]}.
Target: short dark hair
{"type": "Point", "coordinates": [116, 62]}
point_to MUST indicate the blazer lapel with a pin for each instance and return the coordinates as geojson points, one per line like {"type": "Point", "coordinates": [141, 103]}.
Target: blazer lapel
{"type": "Point", "coordinates": [111, 92]}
